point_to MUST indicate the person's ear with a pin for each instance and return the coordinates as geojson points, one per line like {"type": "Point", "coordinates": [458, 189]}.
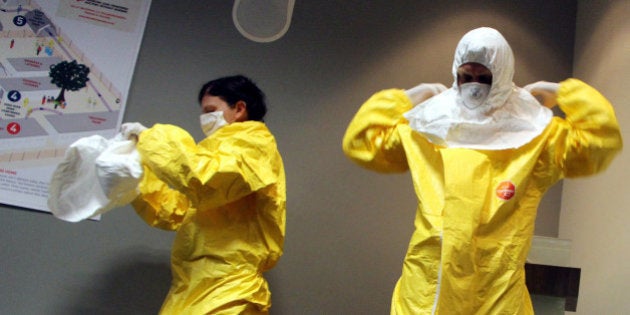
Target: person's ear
{"type": "Point", "coordinates": [241, 111]}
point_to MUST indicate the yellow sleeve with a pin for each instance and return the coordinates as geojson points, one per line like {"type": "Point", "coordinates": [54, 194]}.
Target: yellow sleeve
{"type": "Point", "coordinates": [159, 205]}
{"type": "Point", "coordinates": [593, 136]}
{"type": "Point", "coordinates": [235, 161]}
{"type": "Point", "coordinates": [371, 139]}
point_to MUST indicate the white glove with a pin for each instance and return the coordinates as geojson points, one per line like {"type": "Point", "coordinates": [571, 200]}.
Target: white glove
{"type": "Point", "coordinates": [131, 131]}
{"type": "Point", "coordinates": [544, 92]}
{"type": "Point", "coordinates": [424, 91]}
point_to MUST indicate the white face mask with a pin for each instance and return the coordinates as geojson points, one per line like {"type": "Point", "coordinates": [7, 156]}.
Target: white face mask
{"type": "Point", "coordinates": [211, 122]}
{"type": "Point", "coordinates": [474, 94]}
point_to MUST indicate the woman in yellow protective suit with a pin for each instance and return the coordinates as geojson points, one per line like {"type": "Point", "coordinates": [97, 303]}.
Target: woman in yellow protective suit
{"type": "Point", "coordinates": [225, 197]}
{"type": "Point", "coordinates": [481, 155]}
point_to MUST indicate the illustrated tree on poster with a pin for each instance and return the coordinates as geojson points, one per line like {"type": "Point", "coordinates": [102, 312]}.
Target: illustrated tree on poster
{"type": "Point", "coordinates": [68, 76]}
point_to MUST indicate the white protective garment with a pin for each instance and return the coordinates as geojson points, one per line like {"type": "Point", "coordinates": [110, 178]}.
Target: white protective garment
{"type": "Point", "coordinates": [95, 176]}
{"type": "Point", "coordinates": [508, 118]}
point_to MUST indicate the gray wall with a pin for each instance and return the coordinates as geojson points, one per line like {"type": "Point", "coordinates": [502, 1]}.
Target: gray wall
{"type": "Point", "coordinates": [347, 228]}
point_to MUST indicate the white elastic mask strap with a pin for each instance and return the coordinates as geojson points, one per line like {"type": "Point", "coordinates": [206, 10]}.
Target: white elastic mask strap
{"type": "Point", "coordinates": [211, 122]}
{"type": "Point", "coordinates": [474, 94]}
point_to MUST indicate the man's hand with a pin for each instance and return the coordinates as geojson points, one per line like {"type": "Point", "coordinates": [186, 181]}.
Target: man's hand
{"type": "Point", "coordinates": [131, 131]}
{"type": "Point", "coordinates": [424, 91]}
{"type": "Point", "coordinates": [544, 92]}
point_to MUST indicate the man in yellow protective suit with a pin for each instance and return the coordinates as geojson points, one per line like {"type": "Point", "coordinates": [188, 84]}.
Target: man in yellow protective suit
{"type": "Point", "coordinates": [481, 156]}
{"type": "Point", "coordinates": [225, 196]}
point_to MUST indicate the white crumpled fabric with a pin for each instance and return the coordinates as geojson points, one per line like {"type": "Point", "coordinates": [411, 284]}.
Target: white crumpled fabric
{"type": "Point", "coordinates": [95, 176]}
{"type": "Point", "coordinates": [509, 118]}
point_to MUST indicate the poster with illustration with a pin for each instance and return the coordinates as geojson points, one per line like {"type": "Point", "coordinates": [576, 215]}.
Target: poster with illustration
{"type": "Point", "coordinates": [65, 71]}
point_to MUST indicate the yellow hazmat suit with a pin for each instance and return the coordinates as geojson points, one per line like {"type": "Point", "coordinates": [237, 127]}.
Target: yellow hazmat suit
{"type": "Point", "coordinates": [477, 207]}
{"type": "Point", "coordinates": [226, 199]}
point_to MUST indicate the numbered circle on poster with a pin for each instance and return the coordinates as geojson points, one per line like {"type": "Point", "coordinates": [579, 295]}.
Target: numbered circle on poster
{"type": "Point", "coordinates": [14, 95]}
{"type": "Point", "coordinates": [13, 128]}
{"type": "Point", "coordinates": [19, 20]}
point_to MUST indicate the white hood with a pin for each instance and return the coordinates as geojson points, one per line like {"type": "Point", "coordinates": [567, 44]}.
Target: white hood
{"type": "Point", "coordinates": [509, 118]}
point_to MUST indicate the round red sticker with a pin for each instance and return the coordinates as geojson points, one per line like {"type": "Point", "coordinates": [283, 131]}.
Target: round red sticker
{"type": "Point", "coordinates": [505, 190]}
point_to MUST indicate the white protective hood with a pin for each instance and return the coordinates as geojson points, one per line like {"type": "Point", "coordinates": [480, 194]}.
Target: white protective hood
{"type": "Point", "coordinates": [95, 176]}
{"type": "Point", "coordinates": [509, 118]}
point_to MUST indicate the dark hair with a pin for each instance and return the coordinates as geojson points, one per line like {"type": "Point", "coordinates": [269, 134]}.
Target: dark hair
{"type": "Point", "coordinates": [236, 88]}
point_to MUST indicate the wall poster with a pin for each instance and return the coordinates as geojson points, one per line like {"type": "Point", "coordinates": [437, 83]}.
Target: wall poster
{"type": "Point", "coordinates": [65, 71]}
